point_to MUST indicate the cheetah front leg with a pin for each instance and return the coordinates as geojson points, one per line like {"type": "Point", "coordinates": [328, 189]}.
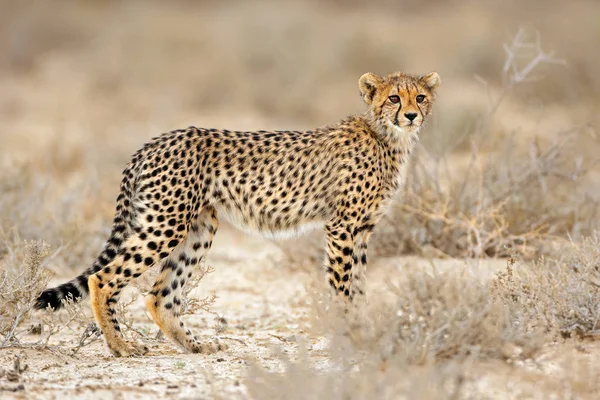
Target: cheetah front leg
{"type": "Point", "coordinates": [339, 256]}
{"type": "Point", "coordinates": [164, 301]}
{"type": "Point", "coordinates": [359, 267]}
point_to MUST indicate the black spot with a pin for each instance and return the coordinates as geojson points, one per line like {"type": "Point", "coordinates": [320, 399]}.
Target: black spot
{"type": "Point", "coordinates": [170, 264]}
{"type": "Point", "coordinates": [110, 253]}
{"type": "Point", "coordinates": [173, 243]}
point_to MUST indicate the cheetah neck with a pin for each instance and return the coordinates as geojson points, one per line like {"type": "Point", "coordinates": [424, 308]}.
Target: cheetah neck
{"type": "Point", "coordinates": [398, 144]}
{"type": "Point", "coordinates": [399, 141]}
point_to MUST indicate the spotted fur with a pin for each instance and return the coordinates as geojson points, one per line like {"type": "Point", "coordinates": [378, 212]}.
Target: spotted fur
{"type": "Point", "coordinates": [340, 177]}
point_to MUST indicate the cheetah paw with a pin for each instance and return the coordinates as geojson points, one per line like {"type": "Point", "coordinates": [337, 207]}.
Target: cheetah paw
{"type": "Point", "coordinates": [127, 349]}
{"type": "Point", "coordinates": [208, 347]}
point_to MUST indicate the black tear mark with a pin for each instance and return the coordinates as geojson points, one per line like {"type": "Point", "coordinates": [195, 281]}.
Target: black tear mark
{"type": "Point", "coordinates": [397, 112]}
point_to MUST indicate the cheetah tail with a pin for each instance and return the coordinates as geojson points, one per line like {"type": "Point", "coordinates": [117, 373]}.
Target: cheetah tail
{"type": "Point", "coordinates": [77, 288]}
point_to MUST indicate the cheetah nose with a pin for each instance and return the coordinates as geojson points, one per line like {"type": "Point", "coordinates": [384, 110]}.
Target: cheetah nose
{"type": "Point", "coordinates": [411, 116]}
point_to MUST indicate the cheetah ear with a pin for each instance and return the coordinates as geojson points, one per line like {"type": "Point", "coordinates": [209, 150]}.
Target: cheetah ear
{"type": "Point", "coordinates": [432, 80]}
{"type": "Point", "coordinates": [368, 85]}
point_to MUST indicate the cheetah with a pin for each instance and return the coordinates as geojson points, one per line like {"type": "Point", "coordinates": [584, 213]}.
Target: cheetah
{"type": "Point", "coordinates": [339, 177]}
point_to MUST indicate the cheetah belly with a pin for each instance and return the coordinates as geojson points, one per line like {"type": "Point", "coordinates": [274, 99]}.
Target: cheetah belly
{"type": "Point", "coordinates": [251, 225]}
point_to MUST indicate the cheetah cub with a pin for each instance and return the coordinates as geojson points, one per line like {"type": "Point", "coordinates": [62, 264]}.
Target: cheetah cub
{"type": "Point", "coordinates": [341, 177]}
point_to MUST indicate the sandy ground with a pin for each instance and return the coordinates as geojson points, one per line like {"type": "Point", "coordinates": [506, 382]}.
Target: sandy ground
{"type": "Point", "coordinates": [263, 308]}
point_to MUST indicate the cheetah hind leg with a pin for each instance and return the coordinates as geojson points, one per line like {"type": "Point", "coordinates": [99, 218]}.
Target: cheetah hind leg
{"type": "Point", "coordinates": [105, 288]}
{"type": "Point", "coordinates": [165, 299]}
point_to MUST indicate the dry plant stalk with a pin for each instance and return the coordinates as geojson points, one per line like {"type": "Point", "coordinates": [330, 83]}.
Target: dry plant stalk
{"type": "Point", "coordinates": [72, 317]}
{"type": "Point", "coordinates": [189, 304]}
{"type": "Point", "coordinates": [22, 278]}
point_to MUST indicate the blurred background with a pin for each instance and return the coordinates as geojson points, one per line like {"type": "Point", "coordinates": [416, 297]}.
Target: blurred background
{"type": "Point", "coordinates": [84, 83]}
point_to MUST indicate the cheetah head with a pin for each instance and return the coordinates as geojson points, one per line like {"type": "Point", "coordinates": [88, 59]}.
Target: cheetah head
{"type": "Point", "coordinates": [399, 103]}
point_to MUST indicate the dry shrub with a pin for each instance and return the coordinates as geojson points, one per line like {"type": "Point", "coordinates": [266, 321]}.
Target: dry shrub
{"type": "Point", "coordinates": [415, 341]}
{"type": "Point", "coordinates": [22, 278]}
{"type": "Point", "coordinates": [509, 197]}
{"type": "Point", "coordinates": [560, 293]}
{"type": "Point", "coordinates": [454, 316]}
{"type": "Point", "coordinates": [447, 315]}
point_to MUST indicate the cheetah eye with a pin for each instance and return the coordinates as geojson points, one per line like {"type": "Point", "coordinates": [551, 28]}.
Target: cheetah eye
{"type": "Point", "coordinates": [420, 98]}
{"type": "Point", "coordinates": [394, 99]}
